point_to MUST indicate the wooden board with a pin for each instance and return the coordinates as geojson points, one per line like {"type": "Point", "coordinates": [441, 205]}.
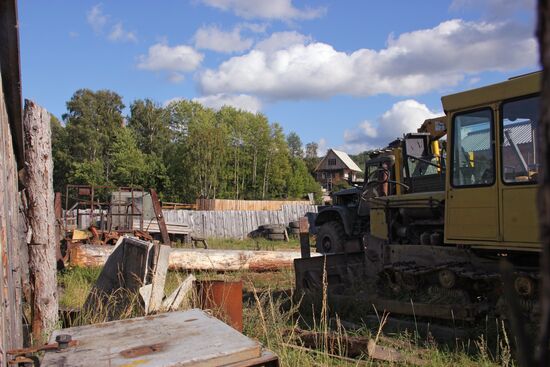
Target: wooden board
{"type": "Point", "coordinates": [171, 339]}
{"type": "Point", "coordinates": [225, 204]}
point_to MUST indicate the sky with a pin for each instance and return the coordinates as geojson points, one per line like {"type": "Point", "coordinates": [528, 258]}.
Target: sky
{"type": "Point", "coordinates": [349, 75]}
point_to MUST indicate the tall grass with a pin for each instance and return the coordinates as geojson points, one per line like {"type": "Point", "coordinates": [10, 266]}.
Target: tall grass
{"type": "Point", "coordinates": [273, 317]}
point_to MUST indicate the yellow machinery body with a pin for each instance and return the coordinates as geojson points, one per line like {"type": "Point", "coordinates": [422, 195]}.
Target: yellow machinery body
{"type": "Point", "coordinates": [491, 169]}
{"type": "Point", "coordinates": [498, 211]}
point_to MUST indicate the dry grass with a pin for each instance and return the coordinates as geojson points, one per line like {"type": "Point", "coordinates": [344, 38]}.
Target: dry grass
{"type": "Point", "coordinates": [271, 316]}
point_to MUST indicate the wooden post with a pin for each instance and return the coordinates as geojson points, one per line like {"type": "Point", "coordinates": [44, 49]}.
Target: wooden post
{"type": "Point", "coordinates": [59, 229]}
{"type": "Point", "coordinates": [160, 218]}
{"type": "Point", "coordinates": [41, 219]}
{"type": "Point", "coordinates": [304, 238]}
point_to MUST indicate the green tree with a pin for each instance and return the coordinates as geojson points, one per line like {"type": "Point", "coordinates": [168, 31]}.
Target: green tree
{"type": "Point", "coordinates": [129, 166]}
{"type": "Point", "coordinates": [88, 173]}
{"type": "Point", "coordinates": [61, 156]}
{"type": "Point", "coordinates": [277, 165]}
{"type": "Point", "coordinates": [300, 182]}
{"type": "Point", "coordinates": [295, 145]}
{"type": "Point", "coordinates": [92, 122]}
{"type": "Point", "coordinates": [151, 125]}
{"type": "Point", "coordinates": [206, 152]}
{"type": "Point", "coordinates": [311, 157]}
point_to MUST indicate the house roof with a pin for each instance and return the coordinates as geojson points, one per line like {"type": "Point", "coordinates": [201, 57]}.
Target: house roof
{"type": "Point", "coordinates": [345, 158]}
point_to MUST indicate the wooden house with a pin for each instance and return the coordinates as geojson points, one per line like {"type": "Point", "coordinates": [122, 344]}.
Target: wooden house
{"type": "Point", "coordinates": [334, 167]}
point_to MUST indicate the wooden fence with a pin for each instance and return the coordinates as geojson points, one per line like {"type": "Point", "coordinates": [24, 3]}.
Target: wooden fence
{"type": "Point", "coordinates": [223, 204]}
{"type": "Point", "coordinates": [13, 249]}
{"type": "Point", "coordinates": [235, 223]}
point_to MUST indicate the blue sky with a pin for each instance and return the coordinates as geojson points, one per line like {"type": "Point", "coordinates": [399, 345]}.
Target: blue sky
{"type": "Point", "coordinates": [351, 75]}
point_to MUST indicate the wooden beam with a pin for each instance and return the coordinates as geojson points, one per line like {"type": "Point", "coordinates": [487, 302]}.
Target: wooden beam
{"type": "Point", "coordinates": [160, 218]}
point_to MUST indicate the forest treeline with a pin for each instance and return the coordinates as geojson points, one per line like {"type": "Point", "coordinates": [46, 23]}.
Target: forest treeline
{"type": "Point", "coordinates": [184, 150]}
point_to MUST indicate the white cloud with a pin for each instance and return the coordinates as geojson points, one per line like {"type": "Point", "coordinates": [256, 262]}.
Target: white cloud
{"type": "Point", "coordinates": [96, 18]}
{"type": "Point", "coordinates": [162, 57]}
{"type": "Point", "coordinates": [175, 77]}
{"type": "Point", "coordinates": [254, 27]}
{"type": "Point", "coordinates": [241, 101]}
{"type": "Point", "coordinates": [118, 33]}
{"type": "Point", "coordinates": [272, 9]}
{"type": "Point", "coordinates": [404, 116]}
{"type": "Point", "coordinates": [215, 39]}
{"type": "Point", "coordinates": [411, 64]}
{"type": "Point", "coordinates": [322, 147]}
{"type": "Point", "coordinates": [73, 34]}
{"type": "Point", "coordinates": [281, 40]}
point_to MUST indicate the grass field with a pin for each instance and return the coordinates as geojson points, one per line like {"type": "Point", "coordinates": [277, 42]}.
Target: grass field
{"type": "Point", "coordinates": [270, 315]}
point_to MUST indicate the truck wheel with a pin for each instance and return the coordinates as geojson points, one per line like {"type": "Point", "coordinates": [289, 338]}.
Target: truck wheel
{"type": "Point", "coordinates": [330, 238]}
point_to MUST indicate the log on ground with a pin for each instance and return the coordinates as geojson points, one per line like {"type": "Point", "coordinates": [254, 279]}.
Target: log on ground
{"type": "Point", "coordinates": [197, 259]}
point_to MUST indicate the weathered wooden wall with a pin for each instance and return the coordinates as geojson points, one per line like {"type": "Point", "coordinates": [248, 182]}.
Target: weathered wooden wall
{"type": "Point", "coordinates": [11, 242]}
{"type": "Point", "coordinates": [224, 204]}
{"type": "Point", "coordinates": [233, 223]}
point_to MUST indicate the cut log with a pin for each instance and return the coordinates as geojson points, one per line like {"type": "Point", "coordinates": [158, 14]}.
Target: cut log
{"type": "Point", "coordinates": [41, 217]}
{"type": "Point", "coordinates": [197, 259]}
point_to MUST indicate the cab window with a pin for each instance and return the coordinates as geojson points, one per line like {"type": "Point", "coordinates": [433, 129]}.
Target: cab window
{"type": "Point", "coordinates": [519, 129]}
{"type": "Point", "coordinates": [473, 153]}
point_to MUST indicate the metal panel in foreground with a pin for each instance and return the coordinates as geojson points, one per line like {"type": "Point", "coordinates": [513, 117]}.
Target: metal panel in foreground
{"type": "Point", "coordinates": [170, 339]}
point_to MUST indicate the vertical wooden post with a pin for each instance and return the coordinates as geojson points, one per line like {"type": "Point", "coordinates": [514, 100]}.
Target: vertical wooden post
{"type": "Point", "coordinates": [59, 229]}
{"type": "Point", "coordinates": [304, 238]}
{"type": "Point", "coordinates": [41, 218]}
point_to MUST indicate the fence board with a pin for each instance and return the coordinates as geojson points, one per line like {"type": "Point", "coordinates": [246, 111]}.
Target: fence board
{"type": "Point", "coordinates": [252, 205]}
{"type": "Point", "coordinates": [13, 264]}
{"type": "Point", "coordinates": [234, 223]}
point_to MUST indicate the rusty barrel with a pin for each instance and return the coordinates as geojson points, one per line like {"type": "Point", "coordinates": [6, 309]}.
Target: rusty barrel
{"type": "Point", "coordinates": [225, 299]}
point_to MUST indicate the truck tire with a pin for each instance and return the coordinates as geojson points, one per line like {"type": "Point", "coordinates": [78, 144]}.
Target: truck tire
{"type": "Point", "coordinates": [330, 238]}
{"type": "Point", "coordinates": [271, 227]}
{"type": "Point", "coordinates": [292, 230]}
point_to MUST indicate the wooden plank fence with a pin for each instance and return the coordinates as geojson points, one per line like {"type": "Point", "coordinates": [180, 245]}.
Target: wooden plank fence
{"type": "Point", "coordinates": [235, 223]}
{"type": "Point", "coordinates": [224, 204]}
{"type": "Point", "coordinates": [13, 255]}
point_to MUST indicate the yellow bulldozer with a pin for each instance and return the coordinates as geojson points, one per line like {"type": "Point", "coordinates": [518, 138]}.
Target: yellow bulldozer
{"type": "Point", "coordinates": [439, 211]}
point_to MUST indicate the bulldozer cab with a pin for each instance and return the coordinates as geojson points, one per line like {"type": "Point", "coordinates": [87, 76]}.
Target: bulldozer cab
{"type": "Point", "coordinates": [424, 166]}
{"type": "Point", "coordinates": [493, 165]}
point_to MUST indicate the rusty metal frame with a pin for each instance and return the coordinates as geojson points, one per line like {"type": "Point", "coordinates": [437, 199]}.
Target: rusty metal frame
{"type": "Point", "coordinates": [92, 204]}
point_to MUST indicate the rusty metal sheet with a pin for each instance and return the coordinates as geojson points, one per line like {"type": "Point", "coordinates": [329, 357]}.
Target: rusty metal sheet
{"type": "Point", "coordinates": [170, 339]}
{"type": "Point", "coordinates": [225, 299]}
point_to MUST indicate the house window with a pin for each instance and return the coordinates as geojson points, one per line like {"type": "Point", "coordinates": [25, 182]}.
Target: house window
{"type": "Point", "coordinates": [332, 162]}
